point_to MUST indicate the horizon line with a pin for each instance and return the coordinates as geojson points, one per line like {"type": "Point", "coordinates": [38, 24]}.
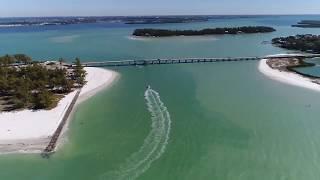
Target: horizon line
{"type": "Point", "coordinates": [163, 15]}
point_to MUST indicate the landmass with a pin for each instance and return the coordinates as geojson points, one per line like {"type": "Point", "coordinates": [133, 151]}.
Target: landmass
{"type": "Point", "coordinates": [308, 24]}
{"type": "Point", "coordinates": [306, 43]}
{"type": "Point", "coordinates": [179, 19]}
{"type": "Point", "coordinates": [167, 19]}
{"type": "Point", "coordinates": [214, 31]}
{"type": "Point", "coordinates": [53, 21]}
{"type": "Point", "coordinates": [56, 21]}
{"type": "Point", "coordinates": [28, 129]}
{"type": "Point", "coordinates": [284, 70]}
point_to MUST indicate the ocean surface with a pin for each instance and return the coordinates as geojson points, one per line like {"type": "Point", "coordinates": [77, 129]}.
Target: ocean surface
{"type": "Point", "coordinates": [223, 121]}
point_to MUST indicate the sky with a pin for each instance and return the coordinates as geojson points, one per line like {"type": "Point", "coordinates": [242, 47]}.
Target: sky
{"type": "Point", "coordinates": [23, 8]}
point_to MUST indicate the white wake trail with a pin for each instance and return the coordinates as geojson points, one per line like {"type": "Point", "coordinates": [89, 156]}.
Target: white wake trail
{"type": "Point", "coordinates": [154, 145]}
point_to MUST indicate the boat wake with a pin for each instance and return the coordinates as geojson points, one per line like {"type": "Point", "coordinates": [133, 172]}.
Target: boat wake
{"type": "Point", "coordinates": [154, 145]}
{"type": "Point", "coordinates": [135, 38]}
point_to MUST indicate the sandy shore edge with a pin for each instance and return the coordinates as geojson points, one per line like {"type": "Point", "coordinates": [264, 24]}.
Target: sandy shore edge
{"type": "Point", "coordinates": [30, 132]}
{"type": "Point", "coordinates": [290, 78]}
{"type": "Point", "coordinates": [85, 95]}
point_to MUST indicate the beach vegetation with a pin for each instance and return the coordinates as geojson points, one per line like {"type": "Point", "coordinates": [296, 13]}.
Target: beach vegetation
{"type": "Point", "coordinates": [35, 85]}
{"type": "Point", "coordinates": [22, 58]}
{"type": "Point", "coordinates": [17, 58]}
{"type": "Point", "coordinates": [79, 73]}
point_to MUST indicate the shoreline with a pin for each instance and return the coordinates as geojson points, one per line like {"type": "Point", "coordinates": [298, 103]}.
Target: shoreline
{"type": "Point", "coordinates": [182, 37]}
{"type": "Point", "coordinates": [85, 95]}
{"type": "Point", "coordinates": [290, 78]}
{"type": "Point", "coordinates": [30, 132]}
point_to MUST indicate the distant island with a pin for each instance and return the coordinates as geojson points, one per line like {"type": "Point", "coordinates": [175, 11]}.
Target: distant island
{"type": "Point", "coordinates": [52, 21]}
{"type": "Point", "coordinates": [214, 31]}
{"type": "Point", "coordinates": [306, 43]}
{"type": "Point", "coordinates": [62, 21]}
{"type": "Point", "coordinates": [166, 19]}
{"type": "Point", "coordinates": [308, 24]}
{"type": "Point", "coordinates": [27, 84]}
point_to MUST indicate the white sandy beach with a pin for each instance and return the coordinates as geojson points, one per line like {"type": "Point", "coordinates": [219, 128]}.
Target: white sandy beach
{"type": "Point", "coordinates": [287, 77]}
{"type": "Point", "coordinates": [28, 131]}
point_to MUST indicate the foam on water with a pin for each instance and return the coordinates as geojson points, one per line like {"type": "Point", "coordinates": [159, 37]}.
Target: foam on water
{"type": "Point", "coordinates": [154, 145]}
{"type": "Point", "coordinates": [136, 38]}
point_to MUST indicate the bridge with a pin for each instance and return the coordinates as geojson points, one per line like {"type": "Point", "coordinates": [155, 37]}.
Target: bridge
{"type": "Point", "coordinates": [144, 62]}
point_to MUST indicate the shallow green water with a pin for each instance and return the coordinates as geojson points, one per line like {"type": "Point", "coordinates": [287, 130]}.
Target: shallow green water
{"type": "Point", "coordinates": [228, 121]}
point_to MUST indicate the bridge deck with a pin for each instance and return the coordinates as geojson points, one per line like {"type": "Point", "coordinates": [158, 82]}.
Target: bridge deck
{"type": "Point", "coordinates": [186, 60]}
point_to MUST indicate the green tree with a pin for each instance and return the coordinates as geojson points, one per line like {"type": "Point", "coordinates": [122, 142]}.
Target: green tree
{"type": "Point", "coordinates": [22, 58]}
{"type": "Point", "coordinates": [3, 85]}
{"type": "Point", "coordinates": [34, 85]}
{"type": "Point", "coordinates": [66, 85]}
{"type": "Point", "coordinates": [6, 60]}
{"type": "Point", "coordinates": [43, 100]}
{"type": "Point", "coordinates": [79, 74]}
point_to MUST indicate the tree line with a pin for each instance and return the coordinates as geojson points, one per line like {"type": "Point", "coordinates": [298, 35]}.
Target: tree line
{"type": "Point", "coordinates": [35, 85]}
{"type": "Point", "coordinates": [17, 58]}
{"type": "Point", "coordinates": [215, 31]}
{"type": "Point", "coordinates": [307, 43]}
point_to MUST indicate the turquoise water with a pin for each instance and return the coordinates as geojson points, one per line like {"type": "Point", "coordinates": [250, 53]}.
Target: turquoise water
{"type": "Point", "coordinates": [314, 71]}
{"type": "Point", "coordinates": [227, 120]}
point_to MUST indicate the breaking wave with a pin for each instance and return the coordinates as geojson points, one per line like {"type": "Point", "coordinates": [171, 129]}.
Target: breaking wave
{"type": "Point", "coordinates": [154, 145]}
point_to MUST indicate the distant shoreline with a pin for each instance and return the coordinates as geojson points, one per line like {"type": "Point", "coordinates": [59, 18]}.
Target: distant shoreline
{"type": "Point", "coordinates": [308, 24]}
{"type": "Point", "coordinates": [203, 32]}
{"type": "Point", "coordinates": [30, 132]}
